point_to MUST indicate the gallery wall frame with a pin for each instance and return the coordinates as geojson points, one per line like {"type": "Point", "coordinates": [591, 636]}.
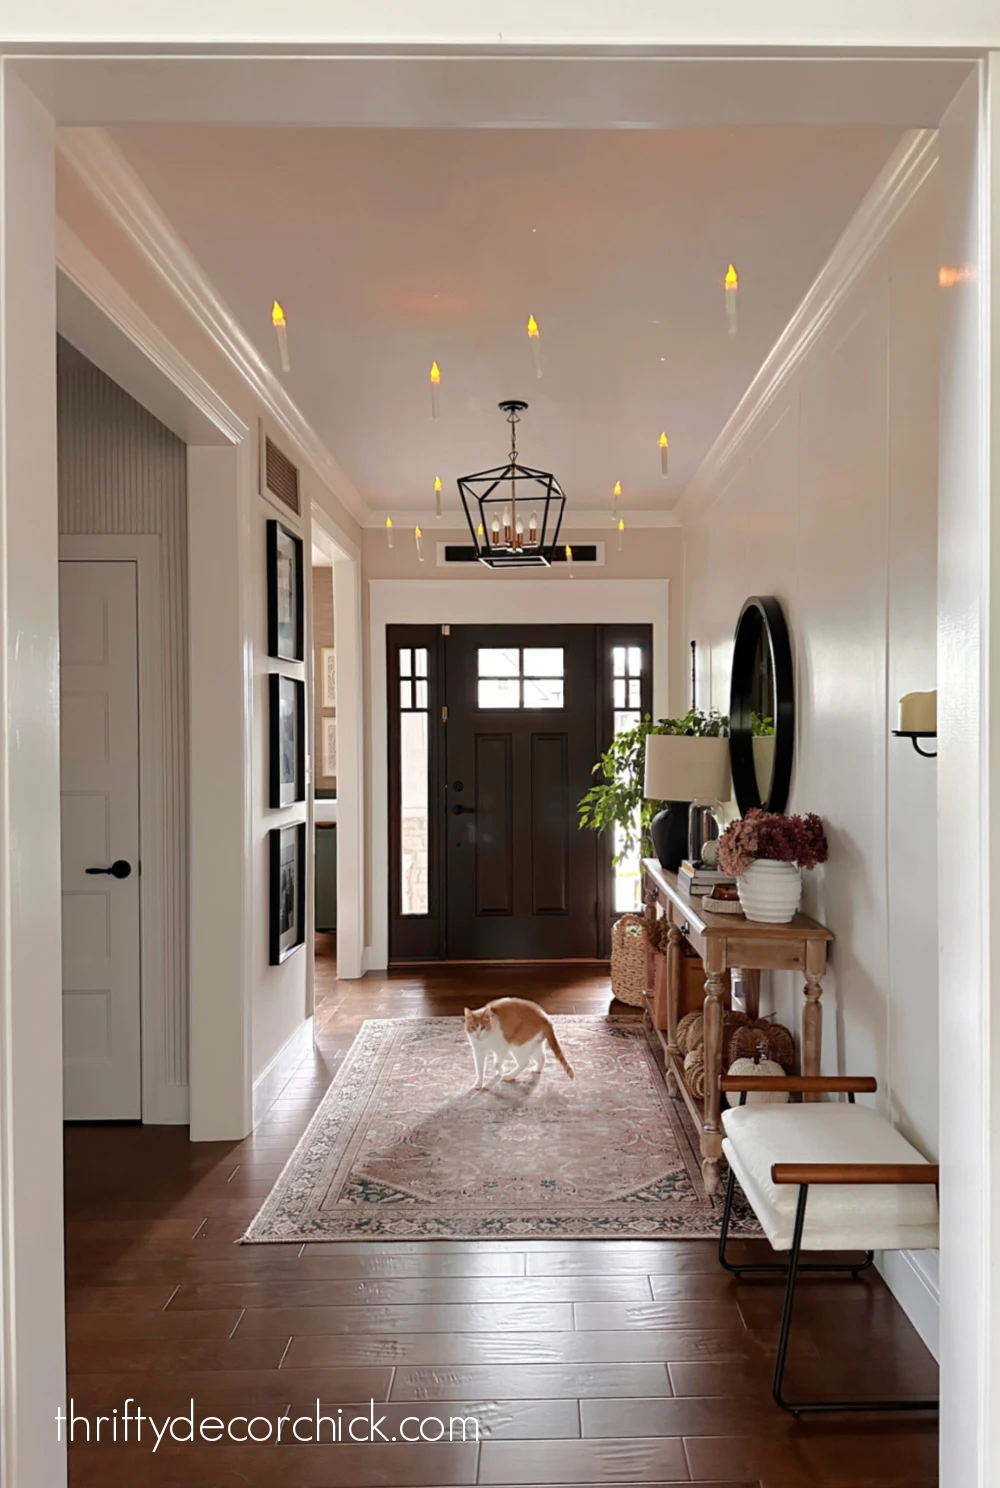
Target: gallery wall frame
{"type": "Point", "coordinates": [287, 918]}
{"type": "Point", "coordinates": [287, 740]}
{"type": "Point", "coordinates": [285, 593]}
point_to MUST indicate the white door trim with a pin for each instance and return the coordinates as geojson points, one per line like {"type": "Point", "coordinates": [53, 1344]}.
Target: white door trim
{"type": "Point", "coordinates": [162, 1103]}
{"type": "Point", "coordinates": [471, 602]}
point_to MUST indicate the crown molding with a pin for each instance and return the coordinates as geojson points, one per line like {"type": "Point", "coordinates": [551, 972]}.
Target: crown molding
{"type": "Point", "coordinates": [902, 177]}
{"type": "Point", "coordinates": [107, 175]}
{"type": "Point", "coordinates": [595, 523]}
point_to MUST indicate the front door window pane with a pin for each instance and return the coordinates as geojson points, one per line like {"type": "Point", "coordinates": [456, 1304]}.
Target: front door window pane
{"type": "Point", "coordinates": [499, 661]}
{"type": "Point", "coordinates": [414, 816]}
{"type": "Point", "coordinates": [543, 661]}
{"type": "Point", "coordinates": [542, 692]}
{"type": "Point", "coordinates": [499, 692]}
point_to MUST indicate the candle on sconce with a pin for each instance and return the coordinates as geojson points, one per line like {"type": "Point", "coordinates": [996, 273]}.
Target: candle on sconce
{"type": "Point", "coordinates": [918, 713]}
{"type": "Point", "coordinates": [435, 390]}
{"type": "Point", "coordinates": [388, 531]}
{"type": "Point", "coordinates": [437, 496]}
{"type": "Point", "coordinates": [418, 538]}
{"type": "Point", "coordinates": [664, 456]}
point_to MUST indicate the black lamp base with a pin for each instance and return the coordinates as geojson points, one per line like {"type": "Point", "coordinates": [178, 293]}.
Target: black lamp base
{"type": "Point", "coordinates": [669, 832]}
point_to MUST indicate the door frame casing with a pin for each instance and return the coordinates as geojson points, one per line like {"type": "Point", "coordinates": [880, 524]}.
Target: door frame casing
{"type": "Point", "coordinates": [162, 1103]}
{"type": "Point", "coordinates": [470, 602]}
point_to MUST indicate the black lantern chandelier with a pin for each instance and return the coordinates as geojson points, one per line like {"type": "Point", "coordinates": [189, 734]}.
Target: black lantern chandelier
{"type": "Point", "coordinates": [514, 512]}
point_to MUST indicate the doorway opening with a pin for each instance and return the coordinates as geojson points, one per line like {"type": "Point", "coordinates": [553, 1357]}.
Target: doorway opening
{"type": "Point", "coordinates": [494, 732]}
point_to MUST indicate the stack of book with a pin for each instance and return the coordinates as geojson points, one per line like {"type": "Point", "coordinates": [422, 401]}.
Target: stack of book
{"type": "Point", "coordinates": [697, 879]}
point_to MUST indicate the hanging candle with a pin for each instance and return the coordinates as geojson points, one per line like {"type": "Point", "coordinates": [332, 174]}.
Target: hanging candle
{"type": "Point", "coordinates": [732, 282]}
{"type": "Point", "coordinates": [388, 531]}
{"type": "Point", "coordinates": [437, 496]}
{"type": "Point", "coordinates": [536, 344]}
{"type": "Point", "coordinates": [664, 456]}
{"type": "Point", "coordinates": [435, 390]}
{"type": "Point", "coordinates": [569, 561]}
{"type": "Point", "coordinates": [418, 538]}
{"type": "Point", "coordinates": [621, 533]}
{"type": "Point", "coordinates": [614, 503]}
{"type": "Point", "coordinates": [281, 331]}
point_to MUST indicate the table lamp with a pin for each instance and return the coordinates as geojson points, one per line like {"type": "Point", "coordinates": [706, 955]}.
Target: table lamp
{"type": "Point", "coordinates": [690, 774]}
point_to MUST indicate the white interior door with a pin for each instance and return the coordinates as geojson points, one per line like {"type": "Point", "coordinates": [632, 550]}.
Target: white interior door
{"type": "Point", "coordinates": [98, 625]}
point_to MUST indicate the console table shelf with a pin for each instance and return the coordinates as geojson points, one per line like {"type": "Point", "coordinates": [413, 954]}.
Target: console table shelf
{"type": "Point", "coordinates": [724, 943]}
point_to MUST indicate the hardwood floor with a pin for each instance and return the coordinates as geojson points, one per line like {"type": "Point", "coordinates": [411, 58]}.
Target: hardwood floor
{"type": "Point", "coordinates": [584, 1363]}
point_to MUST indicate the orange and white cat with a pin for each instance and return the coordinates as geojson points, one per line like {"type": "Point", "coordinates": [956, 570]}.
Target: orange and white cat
{"type": "Point", "coordinates": [511, 1027]}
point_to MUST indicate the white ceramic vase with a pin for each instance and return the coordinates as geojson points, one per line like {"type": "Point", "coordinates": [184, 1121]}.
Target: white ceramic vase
{"type": "Point", "coordinates": [770, 891]}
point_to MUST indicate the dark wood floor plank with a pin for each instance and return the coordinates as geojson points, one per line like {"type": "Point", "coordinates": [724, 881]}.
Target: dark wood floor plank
{"type": "Point", "coordinates": [622, 1461]}
{"type": "Point", "coordinates": [537, 1381]}
{"type": "Point", "coordinates": [641, 1345]}
{"type": "Point", "coordinates": [600, 1315]}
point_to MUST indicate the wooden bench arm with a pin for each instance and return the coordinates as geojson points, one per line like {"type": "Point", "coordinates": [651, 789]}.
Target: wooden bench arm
{"type": "Point", "coordinates": [801, 1173]}
{"type": "Point", "coordinates": [805, 1083]}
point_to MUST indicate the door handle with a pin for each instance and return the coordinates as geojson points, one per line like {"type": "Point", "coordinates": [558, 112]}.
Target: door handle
{"type": "Point", "coordinates": [463, 811]}
{"type": "Point", "coordinates": [119, 869]}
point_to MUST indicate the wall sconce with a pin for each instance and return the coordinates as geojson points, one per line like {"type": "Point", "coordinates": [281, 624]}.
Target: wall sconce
{"type": "Point", "coordinates": [918, 720]}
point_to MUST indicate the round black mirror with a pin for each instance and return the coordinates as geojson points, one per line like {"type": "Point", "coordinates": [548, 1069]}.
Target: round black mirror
{"type": "Point", "coordinates": [761, 708]}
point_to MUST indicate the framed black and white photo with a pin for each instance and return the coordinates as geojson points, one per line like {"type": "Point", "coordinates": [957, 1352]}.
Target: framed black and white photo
{"type": "Point", "coordinates": [287, 726]}
{"type": "Point", "coordinates": [285, 604]}
{"type": "Point", "coordinates": [288, 890]}
{"type": "Point", "coordinates": [328, 661]}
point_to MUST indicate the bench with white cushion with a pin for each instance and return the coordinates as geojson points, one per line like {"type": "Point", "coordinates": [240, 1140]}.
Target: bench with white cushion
{"type": "Point", "coordinates": [830, 1177]}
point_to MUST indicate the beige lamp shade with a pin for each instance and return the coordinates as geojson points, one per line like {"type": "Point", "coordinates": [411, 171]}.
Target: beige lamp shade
{"type": "Point", "coordinates": [682, 767]}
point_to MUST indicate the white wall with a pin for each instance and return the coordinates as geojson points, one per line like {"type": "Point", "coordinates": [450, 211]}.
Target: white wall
{"type": "Point", "coordinates": [832, 507]}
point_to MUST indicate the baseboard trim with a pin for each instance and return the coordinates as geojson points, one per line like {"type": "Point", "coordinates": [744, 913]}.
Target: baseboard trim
{"type": "Point", "coordinates": [912, 1278]}
{"type": "Point", "coordinates": [276, 1075]}
{"type": "Point", "coordinates": [170, 1106]}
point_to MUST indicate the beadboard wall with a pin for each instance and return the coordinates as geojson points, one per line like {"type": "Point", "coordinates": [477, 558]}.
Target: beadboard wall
{"type": "Point", "coordinates": [122, 471]}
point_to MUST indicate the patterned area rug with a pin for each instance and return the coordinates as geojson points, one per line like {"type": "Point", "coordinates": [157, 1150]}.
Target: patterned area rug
{"type": "Point", "coordinates": [402, 1147]}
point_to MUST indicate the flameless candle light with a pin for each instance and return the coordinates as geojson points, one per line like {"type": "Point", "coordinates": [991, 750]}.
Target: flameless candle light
{"type": "Point", "coordinates": [536, 344]}
{"type": "Point", "coordinates": [388, 531]}
{"type": "Point", "coordinates": [418, 538]}
{"type": "Point", "coordinates": [437, 496]}
{"type": "Point", "coordinates": [621, 533]}
{"type": "Point", "coordinates": [281, 331]}
{"type": "Point", "coordinates": [569, 561]}
{"type": "Point", "coordinates": [614, 504]}
{"type": "Point", "coordinates": [435, 387]}
{"type": "Point", "coordinates": [732, 282]}
{"type": "Point", "coordinates": [664, 456]}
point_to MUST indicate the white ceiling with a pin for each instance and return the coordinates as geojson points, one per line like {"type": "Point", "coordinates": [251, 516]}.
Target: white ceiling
{"type": "Point", "coordinates": [392, 248]}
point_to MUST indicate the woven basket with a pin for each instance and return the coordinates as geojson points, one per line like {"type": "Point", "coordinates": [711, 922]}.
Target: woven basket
{"type": "Point", "coordinates": [628, 960]}
{"type": "Point", "coordinates": [690, 1032]}
{"type": "Point", "coordinates": [694, 1073]}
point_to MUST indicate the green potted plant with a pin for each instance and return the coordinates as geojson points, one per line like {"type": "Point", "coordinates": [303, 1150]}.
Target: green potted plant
{"type": "Point", "coordinates": [619, 799]}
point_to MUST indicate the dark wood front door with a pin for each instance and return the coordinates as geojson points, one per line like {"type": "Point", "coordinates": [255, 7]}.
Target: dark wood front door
{"type": "Point", "coordinates": [521, 740]}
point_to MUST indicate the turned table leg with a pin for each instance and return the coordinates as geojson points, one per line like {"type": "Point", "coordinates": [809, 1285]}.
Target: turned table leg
{"type": "Point", "coordinates": [812, 1013]}
{"type": "Point", "coordinates": [714, 993]}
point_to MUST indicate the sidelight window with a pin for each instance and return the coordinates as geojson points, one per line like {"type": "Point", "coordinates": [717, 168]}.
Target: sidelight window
{"type": "Point", "coordinates": [626, 687]}
{"type": "Point", "coordinates": [520, 677]}
{"type": "Point", "coordinates": [414, 744]}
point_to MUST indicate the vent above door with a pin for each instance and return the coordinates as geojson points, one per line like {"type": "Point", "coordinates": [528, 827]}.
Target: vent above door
{"type": "Point", "coordinates": [281, 477]}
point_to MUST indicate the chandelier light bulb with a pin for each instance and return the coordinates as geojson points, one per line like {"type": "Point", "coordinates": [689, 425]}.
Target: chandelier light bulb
{"type": "Point", "coordinates": [435, 390]}
{"type": "Point", "coordinates": [533, 529]}
{"type": "Point", "coordinates": [437, 496]}
{"type": "Point", "coordinates": [664, 456]}
{"type": "Point", "coordinates": [281, 331]}
{"type": "Point", "coordinates": [732, 283]}
{"type": "Point", "coordinates": [507, 532]}
{"type": "Point", "coordinates": [536, 344]}
{"type": "Point", "coordinates": [388, 531]}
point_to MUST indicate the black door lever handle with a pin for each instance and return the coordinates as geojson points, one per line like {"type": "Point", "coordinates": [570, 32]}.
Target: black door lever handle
{"type": "Point", "coordinates": [463, 811]}
{"type": "Point", "coordinates": [119, 869]}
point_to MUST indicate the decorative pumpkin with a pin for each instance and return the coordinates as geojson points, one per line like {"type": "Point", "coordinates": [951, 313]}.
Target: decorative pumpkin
{"type": "Point", "coordinates": [761, 1037]}
{"type": "Point", "coordinates": [694, 1072]}
{"type": "Point", "coordinates": [758, 1097]}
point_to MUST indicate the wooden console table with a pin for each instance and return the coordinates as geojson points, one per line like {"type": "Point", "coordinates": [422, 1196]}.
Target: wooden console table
{"type": "Point", "coordinates": [724, 942]}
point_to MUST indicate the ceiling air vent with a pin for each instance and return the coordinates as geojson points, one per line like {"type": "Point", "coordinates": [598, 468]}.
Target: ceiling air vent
{"type": "Point", "coordinates": [466, 553]}
{"type": "Point", "coordinates": [281, 477]}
